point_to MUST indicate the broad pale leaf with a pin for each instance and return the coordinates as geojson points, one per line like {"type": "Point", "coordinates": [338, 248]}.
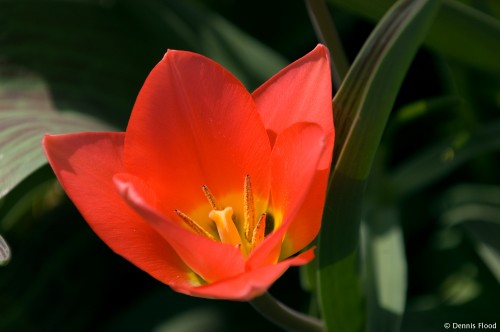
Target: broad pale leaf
{"type": "Point", "coordinates": [26, 114]}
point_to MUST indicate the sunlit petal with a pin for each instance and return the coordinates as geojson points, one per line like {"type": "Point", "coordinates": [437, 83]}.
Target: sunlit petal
{"type": "Point", "coordinates": [195, 124]}
{"type": "Point", "coordinates": [209, 259]}
{"type": "Point", "coordinates": [293, 166]}
{"type": "Point", "coordinates": [211, 189]}
{"type": "Point", "coordinates": [85, 164]}
{"type": "Point", "coordinates": [301, 92]}
{"type": "Point", "coordinates": [250, 284]}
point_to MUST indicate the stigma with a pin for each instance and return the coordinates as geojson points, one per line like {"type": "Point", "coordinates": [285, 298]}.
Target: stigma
{"type": "Point", "coordinates": [226, 228]}
{"type": "Point", "coordinates": [244, 236]}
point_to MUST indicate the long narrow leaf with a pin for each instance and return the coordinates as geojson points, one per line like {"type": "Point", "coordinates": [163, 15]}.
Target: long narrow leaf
{"type": "Point", "coordinates": [361, 108]}
{"type": "Point", "coordinates": [385, 269]}
{"type": "Point", "coordinates": [476, 208]}
{"type": "Point", "coordinates": [459, 31]}
{"type": "Point", "coordinates": [436, 161]}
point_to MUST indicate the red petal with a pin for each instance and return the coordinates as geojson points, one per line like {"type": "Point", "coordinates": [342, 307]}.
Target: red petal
{"type": "Point", "coordinates": [250, 284]}
{"type": "Point", "coordinates": [210, 259]}
{"type": "Point", "coordinates": [294, 161]}
{"type": "Point", "coordinates": [301, 92]}
{"type": "Point", "coordinates": [307, 221]}
{"type": "Point", "coordinates": [85, 164]}
{"type": "Point", "coordinates": [194, 123]}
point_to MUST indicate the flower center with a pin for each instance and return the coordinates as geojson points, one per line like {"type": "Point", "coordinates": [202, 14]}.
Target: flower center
{"type": "Point", "coordinates": [248, 237]}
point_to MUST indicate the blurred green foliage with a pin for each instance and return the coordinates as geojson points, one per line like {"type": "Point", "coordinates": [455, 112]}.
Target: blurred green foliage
{"type": "Point", "coordinates": [436, 171]}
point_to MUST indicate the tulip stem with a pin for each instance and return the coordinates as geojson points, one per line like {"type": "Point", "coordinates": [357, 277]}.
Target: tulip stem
{"type": "Point", "coordinates": [285, 317]}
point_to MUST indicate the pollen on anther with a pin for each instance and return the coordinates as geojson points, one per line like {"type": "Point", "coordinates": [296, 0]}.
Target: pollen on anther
{"type": "Point", "coordinates": [259, 231]}
{"type": "Point", "coordinates": [248, 208]}
{"type": "Point", "coordinates": [210, 197]}
{"type": "Point", "coordinates": [193, 225]}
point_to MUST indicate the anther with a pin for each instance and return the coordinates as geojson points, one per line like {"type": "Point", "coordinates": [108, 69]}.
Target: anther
{"type": "Point", "coordinates": [210, 197]}
{"type": "Point", "coordinates": [194, 226]}
{"type": "Point", "coordinates": [259, 231]}
{"type": "Point", "coordinates": [248, 208]}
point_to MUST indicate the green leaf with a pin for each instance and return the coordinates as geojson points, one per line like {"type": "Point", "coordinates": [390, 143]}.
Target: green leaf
{"type": "Point", "coordinates": [199, 319]}
{"type": "Point", "coordinates": [459, 31]}
{"type": "Point", "coordinates": [485, 236]}
{"type": "Point", "coordinates": [95, 56]}
{"type": "Point", "coordinates": [104, 79]}
{"type": "Point", "coordinates": [420, 108]}
{"type": "Point", "coordinates": [465, 34]}
{"type": "Point", "coordinates": [244, 56]}
{"type": "Point", "coordinates": [26, 114]}
{"type": "Point", "coordinates": [361, 108]}
{"type": "Point", "coordinates": [4, 252]}
{"type": "Point", "coordinates": [385, 269]}
{"type": "Point", "coordinates": [210, 34]}
{"type": "Point", "coordinates": [436, 161]}
{"type": "Point", "coordinates": [327, 33]}
{"type": "Point", "coordinates": [476, 208]}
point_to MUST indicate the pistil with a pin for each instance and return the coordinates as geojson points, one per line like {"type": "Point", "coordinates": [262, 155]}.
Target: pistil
{"type": "Point", "coordinates": [252, 230]}
{"type": "Point", "coordinates": [223, 219]}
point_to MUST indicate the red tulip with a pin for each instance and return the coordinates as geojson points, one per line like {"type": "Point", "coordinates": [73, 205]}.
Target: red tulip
{"type": "Point", "coordinates": [211, 190]}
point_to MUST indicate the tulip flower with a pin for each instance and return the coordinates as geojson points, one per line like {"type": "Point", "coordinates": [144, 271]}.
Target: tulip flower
{"type": "Point", "coordinates": [212, 190]}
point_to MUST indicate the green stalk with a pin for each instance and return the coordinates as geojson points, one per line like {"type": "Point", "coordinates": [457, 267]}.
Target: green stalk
{"type": "Point", "coordinates": [285, 317]}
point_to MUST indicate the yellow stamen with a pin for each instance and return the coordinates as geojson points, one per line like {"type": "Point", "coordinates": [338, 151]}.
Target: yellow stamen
{"type": "Point", "coordinates": [225, 226]}
{"type": "Point", "coordinates": [259, 231]}
{"type": "Point", "coordinates": [194, 226]}
{"type": "Point", "coordinates": [252, 230]}
{"type": "Point", "coordinates": [248, 209]}
{"type": "Point", "coordinates": [210, 197]}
